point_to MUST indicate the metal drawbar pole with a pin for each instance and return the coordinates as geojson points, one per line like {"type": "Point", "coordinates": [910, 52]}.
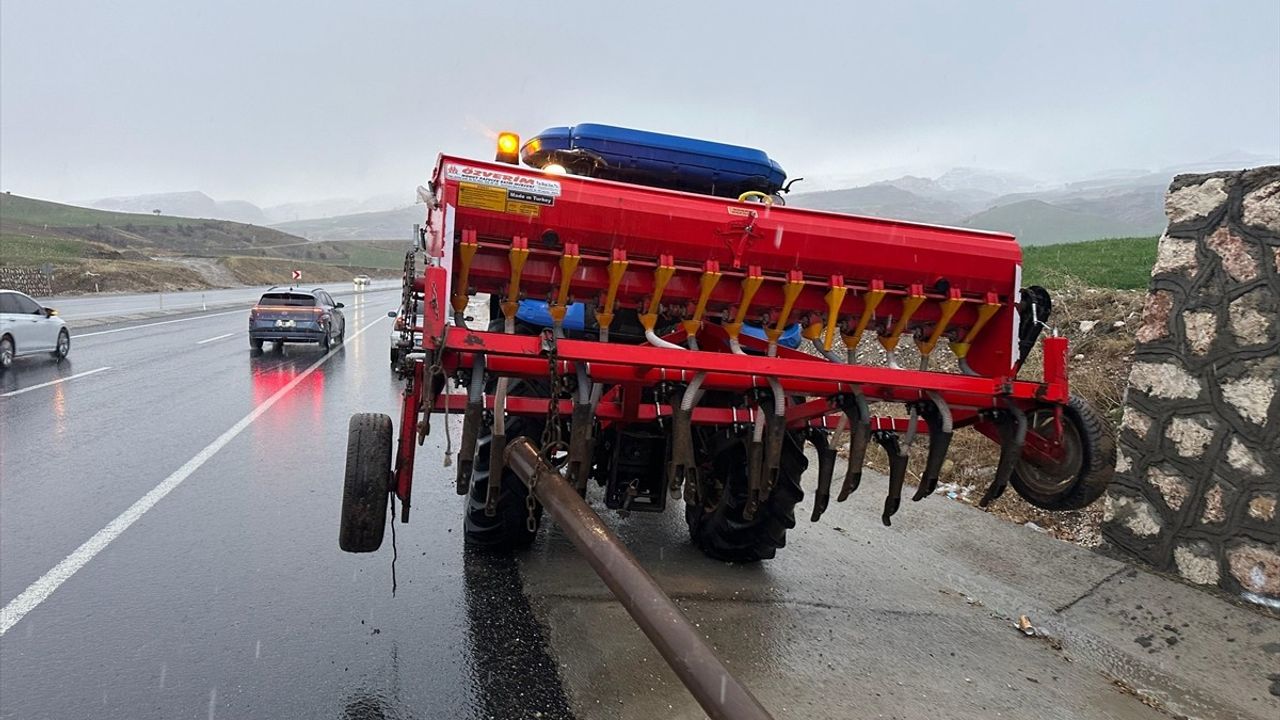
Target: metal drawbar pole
{"type": "Point", "coordinates": [719, 693]}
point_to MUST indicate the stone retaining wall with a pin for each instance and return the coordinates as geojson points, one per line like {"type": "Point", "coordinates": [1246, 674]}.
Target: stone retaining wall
{"type": "Point", "coordinates": [28, 280]}
{"type": "Point", "coordinates": [1198, 471]}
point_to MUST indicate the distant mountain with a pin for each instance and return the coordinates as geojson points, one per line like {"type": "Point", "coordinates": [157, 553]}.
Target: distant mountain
{"type": "Point", "coordinates": [332, 207]}
{"type": "Point", "coordinates": [987, 181]}
{"type": "Point", "coordinates": [883, 200]}
{"type": "Point", "coordinates": [1036, 222]}
{"type": "Point", "coordinates": [385, 225]}
{"type": "Point", "coordinates": [191, 204]}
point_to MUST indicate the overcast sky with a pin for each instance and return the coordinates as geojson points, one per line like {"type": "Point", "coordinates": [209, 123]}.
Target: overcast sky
{"type": "Point", "coordinates": [281, 101]}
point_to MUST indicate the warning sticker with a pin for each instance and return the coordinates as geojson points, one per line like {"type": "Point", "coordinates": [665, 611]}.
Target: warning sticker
{"type": "Point", "coordinates": [482, 197]}
{"type": "Point", "coordinates": [523, 208]}
{"type": "Point", "coordinates": [505, 180]}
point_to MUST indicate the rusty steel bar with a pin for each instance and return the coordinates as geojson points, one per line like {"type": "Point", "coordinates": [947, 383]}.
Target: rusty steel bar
{"type": "Point", "coordinates": [719, 693]}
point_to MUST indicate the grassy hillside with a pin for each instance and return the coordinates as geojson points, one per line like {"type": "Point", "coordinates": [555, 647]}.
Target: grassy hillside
{"type": "Point", "coordinates": [1035, 222]}
{"type": "Point", "coordinates": [360, 226]}
{"type": "Point", "coordinates": [131, 251]}
{"type": "Point", "coordinates": [1115, 263]}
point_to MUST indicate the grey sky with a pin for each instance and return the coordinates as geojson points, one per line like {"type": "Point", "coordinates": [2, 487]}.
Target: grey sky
{"type": "Point", "coordinates": [274, 101]}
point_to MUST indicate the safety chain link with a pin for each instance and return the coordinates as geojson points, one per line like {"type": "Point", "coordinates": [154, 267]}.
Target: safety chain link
{"type": "Point", "coordinates": [551, 439]}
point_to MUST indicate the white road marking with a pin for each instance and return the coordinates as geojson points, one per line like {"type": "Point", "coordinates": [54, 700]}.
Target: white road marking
{"type": "Point", "coordinates": [41, 589]}
{"type": "Point", "coordinates": [54, 382]}
{"type": "Point", "coordinates": [162, 322]}
{"type": "Point", "coordinates": [209, 340]}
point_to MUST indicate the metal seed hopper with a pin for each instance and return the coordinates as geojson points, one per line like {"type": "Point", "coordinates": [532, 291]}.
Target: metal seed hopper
{"type": "Point", "coordinates": [675, 386]}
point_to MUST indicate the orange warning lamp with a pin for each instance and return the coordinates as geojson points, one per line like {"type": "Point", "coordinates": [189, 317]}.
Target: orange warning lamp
{"type": "Point", "coordinates": [508, 148]}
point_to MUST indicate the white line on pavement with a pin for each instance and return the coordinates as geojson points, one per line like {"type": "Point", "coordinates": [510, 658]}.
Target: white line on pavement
{"type": "Point", "coordinates": [41, 589]}
{"type": "Point", "coordinates": [209, 340]}
{"type": "Point", "coordinates": [162, 322]}
{"type": "Point", "coordinates": [54, 382]}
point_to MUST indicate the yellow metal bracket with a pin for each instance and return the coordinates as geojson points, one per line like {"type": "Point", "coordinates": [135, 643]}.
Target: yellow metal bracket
{"type": "Point", "coordinates": [911, 303]}
{"type": "Point", "coordinates": [790, 291]}
{"type": "Point", "coordinates": [519, 254]}
{"type": "Point", "coordinates": [985, 313]}
{"type": "Point", "coordinates": [568, 266]}
{"type": "Point", "coordinates": [870, 301]}
{"type": "Point", "coordinates": [617, 267]}
{"type": "Point", "coordinates": [466, 253]}
{"type": "Point", "coordinates": [661, 276]}
{"type": "Point", "coordinates": [949, 307]}
{"type": "Point", "coordinates": [750, 284]}
{"type": "Point", "coordinates": [710, 276]}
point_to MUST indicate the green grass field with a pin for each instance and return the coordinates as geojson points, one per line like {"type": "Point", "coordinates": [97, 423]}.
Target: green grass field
{"type": "Point", "coordinates": [26, 250]}
{"type": "Point", "coordinates": [1119, 263]}
{"type": "Point", "coordinates": [29, 211]}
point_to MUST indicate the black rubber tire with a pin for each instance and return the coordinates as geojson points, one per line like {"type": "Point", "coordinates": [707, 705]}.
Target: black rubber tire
{"type": "Point", "coordinates": [63, 347]}
{"type": "Point", "coordinates": [1097, 462]}
{"type": "Point", "coordinates": [366, 488]}
{"type": "Point", "coordinates": [326, 342]}
{"type": "Point", "coordinates": [395, 357]}
{"type": "Point", "coordinates": [255, 344]}
{"type": "Point", "coordinates": [6, 352]}
{"type": "Point", "coordinates": [508, 529]}
{"type": "Point", "coordinates": [721, 532]}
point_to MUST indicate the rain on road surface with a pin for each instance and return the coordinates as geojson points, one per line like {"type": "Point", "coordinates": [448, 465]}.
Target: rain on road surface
{"type": "Point", "coordinates": [228, 597]}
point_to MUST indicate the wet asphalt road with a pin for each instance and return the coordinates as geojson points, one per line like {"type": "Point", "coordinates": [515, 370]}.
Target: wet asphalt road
{"type": "Point", "coordinates": [112, 304]}
{"type": "Point", "coordinates": [229, 597]}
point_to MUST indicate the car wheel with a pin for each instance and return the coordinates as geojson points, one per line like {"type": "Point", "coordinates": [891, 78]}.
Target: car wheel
{"type": "Point", "coordinates": [63, 347]}
{"type": "Point", "coordinates": [326, 342]}
{"type": "Point", "coordinates": [255, 345]}
{"type": "Point", "coordinates": [6, 352]}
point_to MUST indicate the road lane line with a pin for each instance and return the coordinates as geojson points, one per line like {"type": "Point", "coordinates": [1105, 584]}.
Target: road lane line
{"type": "Point", "coordinates": [41, 589]}
{"type": "Point", "coordinates": [209, 340]}
{"type": "Point", "coordinates": [162, 322]}
{"type": "Point", "coordinates": [54, 382]}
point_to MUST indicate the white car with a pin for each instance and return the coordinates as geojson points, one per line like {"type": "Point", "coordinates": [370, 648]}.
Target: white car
{"type": "Point", "coordinates": [26, 328]}
{"type": "Point", "coordinates": [360, 282]}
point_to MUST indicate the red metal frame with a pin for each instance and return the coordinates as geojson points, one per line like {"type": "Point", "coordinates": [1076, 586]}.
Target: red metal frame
{"type": "Point", "coordinates": [887, 269]}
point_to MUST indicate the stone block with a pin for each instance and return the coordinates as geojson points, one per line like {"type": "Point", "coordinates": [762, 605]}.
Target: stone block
{"type": "Point", "coordinates": [1195, 201]}
{"type": "Point", "coordinates": [1234, 251]}
{"type": "Point", "coordinates": [1256, 567]}
{"type": "Point", "coordinates": [1263, 507]}
{"type": "Point", "coordinates": [1262, 207]}
{"type": "Point", "coordinates": [1172, 487]}
{"type": "Point", "coordinates": [1155, 316]}
{"type": "Point", "coordinates": [1136, 422]}
{"type": "Point", "coordinates": [1200, 327]}
{"type": "Point", "coordinates": [1134, 514]}
{"type": "Point", "coordinates": [1175, 254]}
{"type": "Point", "coordinates": [1250, 319]}
{"type": "Point", "coordinates": [1166, 380]}
{"type": "Point", "coordinates": [1190, 437]}
{"type": "Point", "coordinates": [1214, 507]}
{"type": "Point", "coordinates": [1241, 458]}
{"type": "Point", "coordinates": [1251, 393]}
{"type": "Point", "coordinates": [1196, 563]}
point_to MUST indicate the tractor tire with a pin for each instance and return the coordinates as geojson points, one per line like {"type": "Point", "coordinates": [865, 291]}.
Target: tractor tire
{"type": "Point", "coordinates": [719, 529]}
{"type": "Point", "coordinates": [508, 529]}
{"type": "Point", "coordinates": [368, 483]}
{"type": "Point", "coordinates": [1087, 469]}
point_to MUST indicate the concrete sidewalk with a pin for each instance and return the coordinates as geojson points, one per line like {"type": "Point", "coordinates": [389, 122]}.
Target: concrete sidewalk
{"type": "Point", "coordinates": [919, 620]}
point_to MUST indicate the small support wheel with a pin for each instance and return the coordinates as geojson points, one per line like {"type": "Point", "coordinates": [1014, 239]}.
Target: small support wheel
{"type": "Point", "coordinates": [367, 484]}
{"type": "Point", "coordinates": [1087, 465]}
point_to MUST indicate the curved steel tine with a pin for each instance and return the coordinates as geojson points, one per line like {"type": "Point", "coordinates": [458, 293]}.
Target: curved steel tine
{"type": "Point", "coordinates": [855, 408]}
{"type": "Point", "coordinates": [1012, 423]}
{"type": "Point", "coordinates": [888, 439]}
{"type": "Point", "coordinates": [937, 414]}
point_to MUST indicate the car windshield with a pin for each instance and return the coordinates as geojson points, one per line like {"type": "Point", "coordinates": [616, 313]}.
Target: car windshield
{"type": "Point", "coordinates": [288, 299]}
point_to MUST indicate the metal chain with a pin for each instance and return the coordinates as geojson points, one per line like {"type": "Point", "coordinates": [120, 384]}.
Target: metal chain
{"type": "Point", "coordinates": [551, 439]}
